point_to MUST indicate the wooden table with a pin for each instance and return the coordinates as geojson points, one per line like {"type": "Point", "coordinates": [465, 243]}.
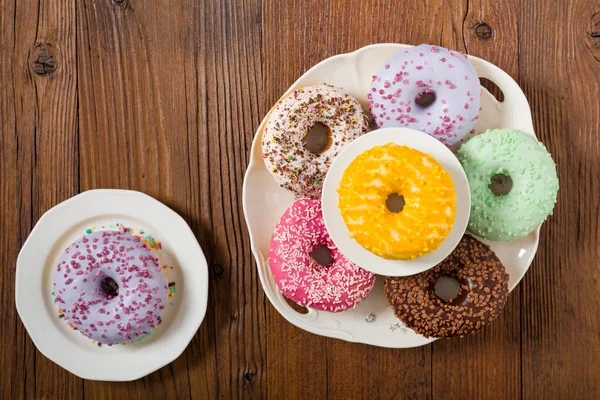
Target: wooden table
{"type": "Point", "coordinates": [165, 96]}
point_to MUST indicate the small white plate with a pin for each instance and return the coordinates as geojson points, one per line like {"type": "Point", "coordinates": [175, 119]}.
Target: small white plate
{"type": "Point", "coordinates": [372, 321]}
{"type": "Point", "coordinates": [69, 220]}
{"type": "Point", "coordinates": [335, 222]}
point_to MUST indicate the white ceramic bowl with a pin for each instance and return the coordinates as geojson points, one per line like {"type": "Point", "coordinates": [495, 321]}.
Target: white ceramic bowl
{"type": "Point", "coordinates": [64, 223]}
{"type": "Point", "coordinates": [372, 321]}
{"type": "Point", "coordinates": [335, 222]}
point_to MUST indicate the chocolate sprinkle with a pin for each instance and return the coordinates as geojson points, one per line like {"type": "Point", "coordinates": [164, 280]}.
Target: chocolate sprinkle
{"type": "Point", "coordinates": [482, 294]}
{"type": "Point", "coordinates": [171, 284]}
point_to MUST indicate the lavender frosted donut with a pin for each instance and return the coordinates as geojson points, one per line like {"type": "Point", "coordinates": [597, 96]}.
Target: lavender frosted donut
{"type": "Point", "coordinates": [308, 267]}
{"type": "Point", "coordinates": [110, 286]}
{"type": "Point", "coordinates": [305, 132]}
{"type": "Point", "coordinates": [427, 88]}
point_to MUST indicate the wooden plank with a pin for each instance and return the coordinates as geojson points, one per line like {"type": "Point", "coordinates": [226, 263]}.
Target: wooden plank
{"type": "Point", "coordinates": [560, 73]}
{"type": "Point", "coordinates": [17, 364]}
{"type": "Point", "coordinates": [131, 130]}
{"type": "Point", "coordinates": [45, 103]}
{"type": "Point", "coordinates": [173, 89]}
{"type": "Point", "coordinates": [223, 98]}
{"type": "Point", "coordinates": [488, 361]}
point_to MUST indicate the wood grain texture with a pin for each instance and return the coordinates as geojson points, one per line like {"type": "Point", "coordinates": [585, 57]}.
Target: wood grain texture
{"type": "Point", "coordinates": [165, 97]}
{"type": "Point", "coordinates": [561, 307]}
{"type": "Point", "coordinates": [493, 355]}
{"type": "Point", "coordinates": [45, 115]}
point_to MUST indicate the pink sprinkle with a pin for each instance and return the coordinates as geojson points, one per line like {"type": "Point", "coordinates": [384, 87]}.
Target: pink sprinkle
{"type": "Point", "coordinates": [419, 67]}
{"type": "Point", "coordinates": [68, 281]}
{"type": "Point", "coordinates": [466, 106]}
{"type": "Point", "coordinates": [387, 66]}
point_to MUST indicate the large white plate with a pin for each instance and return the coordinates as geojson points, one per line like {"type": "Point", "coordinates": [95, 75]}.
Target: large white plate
{"type": "Point", "coordinates": [64, 223]}
{"type": "Point", "coordinates": [372, 321]}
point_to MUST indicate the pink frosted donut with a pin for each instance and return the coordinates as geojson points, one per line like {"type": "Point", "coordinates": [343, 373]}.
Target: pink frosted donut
{"type": "Point", "coordinates": [427, 88]}
{"type": "Point", "coordinates": [308, 267]}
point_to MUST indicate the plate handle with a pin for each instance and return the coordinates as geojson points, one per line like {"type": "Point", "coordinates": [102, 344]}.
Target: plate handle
{"type": "Point", "coordinates": [514, 98]}
{"type": "Point", "coordinates": [275, 296]}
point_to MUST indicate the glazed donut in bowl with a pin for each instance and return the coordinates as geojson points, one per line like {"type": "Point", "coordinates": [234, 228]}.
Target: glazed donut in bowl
{"type": "Point", "coordinates": [110, 286]}
{"type": "Point", "coordinates": [307, 266]}
{"type": "Point", "coordinates": [305, 132]}
{"type": "Point", "coordinates": [479, 297]}
{"type": "Point", "coordinates": [513, 183]}
{"type": "Point", "coordinates": [397, 202]}
{"type": "Point", "coordinates": [429, 89]}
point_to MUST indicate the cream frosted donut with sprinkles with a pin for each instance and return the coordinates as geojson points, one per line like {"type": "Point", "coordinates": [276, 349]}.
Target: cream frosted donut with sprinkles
{"type": "Point", "coordinates": [305, 132]}
{"type": "Point", "coordinates": [307, 266]}
{"type": "Point", "coordinates": [110, 286]}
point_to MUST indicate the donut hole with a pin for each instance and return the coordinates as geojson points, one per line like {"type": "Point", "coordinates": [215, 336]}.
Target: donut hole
{"type": "Point", "coordinates": [395, 203]}
{"type": "Point", "coordinates": [425, 99]}
{"type": "Point", "coordinates": [110, 287]}
{"type": "Point", "coordinates": [500, 184]}
{"type": "Point", "coordinates": [322, 255]}
{"type": "Point", "coordinates": [317, 139]}
{"type": "Point", "coordinates": [446, 288]}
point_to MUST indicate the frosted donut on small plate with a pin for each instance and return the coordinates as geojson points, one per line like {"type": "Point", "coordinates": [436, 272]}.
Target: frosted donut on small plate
{"type": "Point", "coordinates": [427, 88]}
{"type": "Point", "coordinates": [110, 286]}
{"type": "Point", "coordinates": [307, 266]}
{"type": "Point", "coordinates": [305, 132]}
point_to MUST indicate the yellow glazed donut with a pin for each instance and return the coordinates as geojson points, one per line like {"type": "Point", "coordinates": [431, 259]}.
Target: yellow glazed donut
{"type": "Point", "coordinates": [397, 202]}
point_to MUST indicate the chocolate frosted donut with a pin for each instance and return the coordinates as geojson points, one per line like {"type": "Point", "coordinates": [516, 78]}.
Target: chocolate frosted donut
{"type": "Point", "coordinates": [482, 293]}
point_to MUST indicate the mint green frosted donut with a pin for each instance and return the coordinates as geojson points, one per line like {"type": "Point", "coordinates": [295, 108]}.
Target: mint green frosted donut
{"type": "Point", "coordinates": [532, 197]}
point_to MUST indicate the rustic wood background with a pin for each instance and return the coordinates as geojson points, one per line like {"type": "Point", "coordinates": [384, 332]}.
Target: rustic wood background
{"type": "Point", "coordinates": [173, 92]}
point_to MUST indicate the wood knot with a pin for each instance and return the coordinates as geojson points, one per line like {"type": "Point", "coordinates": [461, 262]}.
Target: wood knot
{"type": "Point", "coordinates": [42, 61]}
{"type": "Point", "coordinates": [483, 31]}
{"type": "Point", "coordinates": [120, 1]}
{"type": "Point", "coordinates": [594, 30]}
{"type": "Point", "coordinates": [217, 270]}
{"type": "Point", "coordinates": [249, 377]}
